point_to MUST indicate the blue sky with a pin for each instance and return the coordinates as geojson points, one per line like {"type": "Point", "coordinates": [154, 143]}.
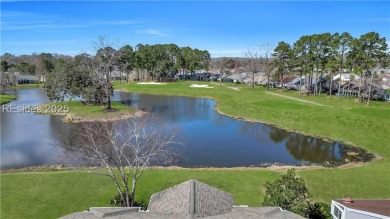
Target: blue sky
{"type": "Point", "coordinates": [224, 28]}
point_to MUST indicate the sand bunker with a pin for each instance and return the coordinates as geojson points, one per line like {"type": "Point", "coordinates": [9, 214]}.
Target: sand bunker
{"type": "Point", "coordinates": [200, 86]}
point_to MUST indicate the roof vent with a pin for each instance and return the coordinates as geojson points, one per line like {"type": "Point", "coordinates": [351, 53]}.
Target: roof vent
{"type": "Point", "coordinates": [347, 200]}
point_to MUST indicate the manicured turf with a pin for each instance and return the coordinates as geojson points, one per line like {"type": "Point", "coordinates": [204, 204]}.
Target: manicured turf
{"type": "Point", "coordinates": [5, 98]}
{"type": "Point", "coordinates": [53, 194]}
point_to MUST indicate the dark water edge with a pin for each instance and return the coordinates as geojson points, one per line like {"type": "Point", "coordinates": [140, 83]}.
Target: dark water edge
{"type": "Point", "coordinates": [349, 153]}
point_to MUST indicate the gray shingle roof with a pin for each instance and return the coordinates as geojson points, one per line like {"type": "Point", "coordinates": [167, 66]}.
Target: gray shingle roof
{"type": "Point", "coordinates": [257, 213]}
{"type": "Point", "coordinates": [192, 198]}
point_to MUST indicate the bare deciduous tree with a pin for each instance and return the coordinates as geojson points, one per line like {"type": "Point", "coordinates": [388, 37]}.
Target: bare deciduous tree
{"type": "Point", "coordinates": [253, 63]}
{"type": "Point", "coordinates": [101, 66]}
{"type": "Point", "coordinates": [125, 148]}
{"type": "Point", "coordinates": [221, 64]}
{"type": "Point", "coordinates": [266, 62]}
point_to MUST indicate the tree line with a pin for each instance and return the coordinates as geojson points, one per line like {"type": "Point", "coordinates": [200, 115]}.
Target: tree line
{"type": "Point", "coordinates": [311, 56]}
{"type": "Point", "coordinates": [149, 61]}
{"type": "Point", "coordinates": [89, 76]}
{"type": "Point", "coordinates": [314, 55]}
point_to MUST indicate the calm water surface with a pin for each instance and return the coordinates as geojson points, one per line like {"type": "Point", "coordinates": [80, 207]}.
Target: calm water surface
{"type": "Point", "coordinates": [28, 139]}
{"type": "Point", "coordinates": [210, 139]}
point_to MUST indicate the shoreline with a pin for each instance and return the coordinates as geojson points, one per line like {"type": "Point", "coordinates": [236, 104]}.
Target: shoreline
{"type": "Point", "coordinates": [61, 167]}
{"type": "Point", "coordinates": [69, 117]}
{"type": "Point", "coordinates": [7, 98]}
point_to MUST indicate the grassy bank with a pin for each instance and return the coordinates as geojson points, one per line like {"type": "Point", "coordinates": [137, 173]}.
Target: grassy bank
{"type": "Point", "coordinates": [5, 98]}
{"type": "Point", "coordinates": [57, 193]}
{"type": "Point", "coordinates": [65, 192]}
{"type": "Point", "coordinates": [75, 111]}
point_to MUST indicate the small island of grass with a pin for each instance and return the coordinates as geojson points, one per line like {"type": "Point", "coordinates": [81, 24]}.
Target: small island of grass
{"type": "Point", "coordinates": [6, 98]}
{"type": "Point", "coordinates": [76, 111]}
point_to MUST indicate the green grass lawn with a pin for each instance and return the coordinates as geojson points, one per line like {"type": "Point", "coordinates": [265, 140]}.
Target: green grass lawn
{"type": "Point", "coordinates": [28, 85]}
{"type": "Point", "coordinates": [52, 194]}
{"type": "Point", "coordinates": [5, 98]}
{"type": "Point", "coordinates": [75, 110]}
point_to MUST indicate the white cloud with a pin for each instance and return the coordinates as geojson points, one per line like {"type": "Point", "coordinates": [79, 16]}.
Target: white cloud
{"type": "Point", "coordinates": [152, 32]}
{"type": "Point", "coordinates": [50, 25]}
{"type": "Point", "coordinates": [39, 25]}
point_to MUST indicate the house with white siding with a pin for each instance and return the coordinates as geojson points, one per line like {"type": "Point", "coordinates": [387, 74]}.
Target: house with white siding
{"type": "Point", "coordinates": [347, 208]}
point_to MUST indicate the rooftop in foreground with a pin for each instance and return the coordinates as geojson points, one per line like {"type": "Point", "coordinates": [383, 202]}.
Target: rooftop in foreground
{"type": "Point", "coordinates": [190, 199]}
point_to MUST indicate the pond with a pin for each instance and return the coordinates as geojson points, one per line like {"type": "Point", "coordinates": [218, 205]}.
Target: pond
{"type": "Point", "coordinates": [210, 139]}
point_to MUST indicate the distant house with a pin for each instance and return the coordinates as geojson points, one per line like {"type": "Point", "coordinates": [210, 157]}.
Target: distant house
{"type": "Point", "coordinates": [384, 85]}
{"type": "Point", "coordinates": [224, 77]}
{"type": "Point", "coordinates": [200, 71]}
{"type": "Point", "coordinates": [239, 77]}
{"type": "Point", "coordinates": [317, 83]}
{"type": "Point", "coordinates": [259, 78]}
{"type": "Point", "coordinates": [349, 89]}
{"type": "Point", "coordinates": [385, 81]}
{"type": "Point", "coordinates": [362, 209]}
{"type": "Point", "coordinates": [190, 199]}
{"type": "Point", "coordinates": [387, 96]}
{"type": "Point", "coordinates": [17, 78]}
{"type": "Point", "coordinates": [345, 77]}
{"type": "Point", "coordinates": [291, 81]}
{"type": "Point", "coordinates": [382, 70]}
{"type": "Point", "coordinates": [26, 79]}
{"type": "Point", "coordinates": [262, 80]}
{"type": "Point", "coordinates": [297, 83]}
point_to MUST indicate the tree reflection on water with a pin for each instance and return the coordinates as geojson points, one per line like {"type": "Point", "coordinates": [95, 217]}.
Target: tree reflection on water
{"type": "Point", "coordinates": [305, 148]}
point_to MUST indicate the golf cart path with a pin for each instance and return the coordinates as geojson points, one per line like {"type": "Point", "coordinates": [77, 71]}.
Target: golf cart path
{"type": "Point", "coordinates": [300, 100]}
